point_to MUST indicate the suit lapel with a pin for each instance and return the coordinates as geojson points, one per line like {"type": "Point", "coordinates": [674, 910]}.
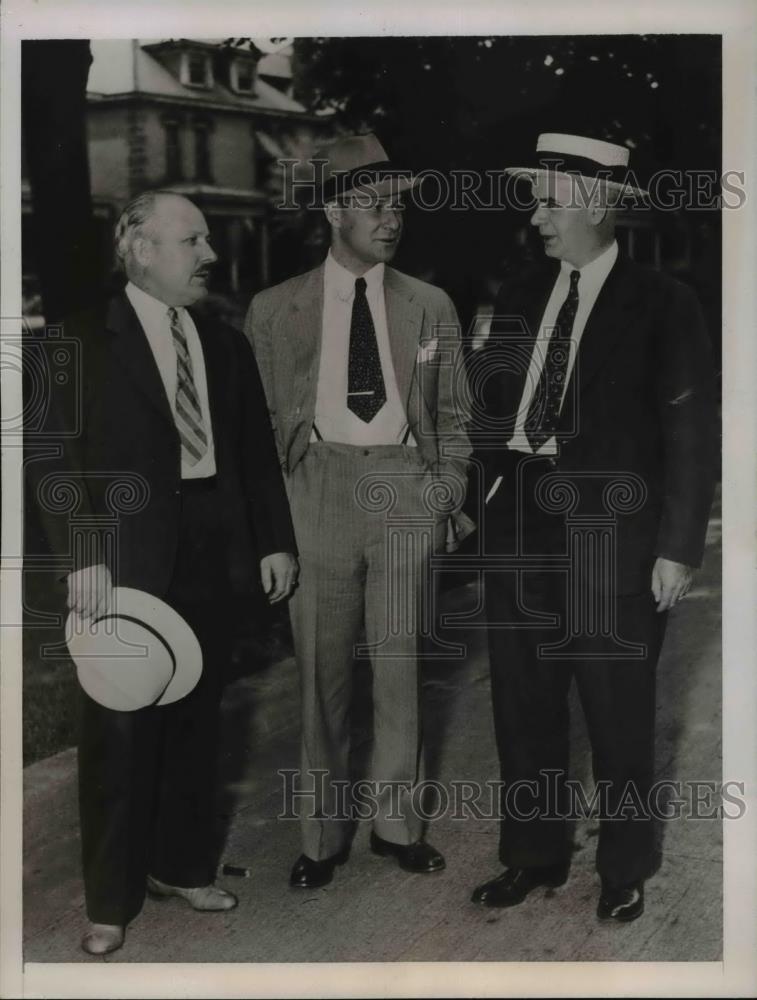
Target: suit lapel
{"type": "Point", "coordinates": [404, 320]}
{"type": "Point", "coordinates": [611, 318]}
{"type": "Point", "coordinates": [131, 347]}
{"type": "Point", "coordinates": [300, 343]}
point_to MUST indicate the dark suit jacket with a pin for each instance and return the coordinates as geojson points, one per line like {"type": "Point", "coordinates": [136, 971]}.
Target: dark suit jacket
{"type": "Point", "coordinates": [640, 400]}
{"type": "Point", "coordinates": [128, 435]}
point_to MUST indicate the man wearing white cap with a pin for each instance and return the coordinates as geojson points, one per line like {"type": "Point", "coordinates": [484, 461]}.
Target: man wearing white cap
{"type": "Point", "coordinates": [362, 369]}
{"type": "Point", "coordinates": [596, 440]}
{"type": "Point", "coordinates": [172, 404]}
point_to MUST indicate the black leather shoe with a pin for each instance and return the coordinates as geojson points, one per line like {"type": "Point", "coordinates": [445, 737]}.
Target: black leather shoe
{"type": "Point", "coordinates": [514, 884]}
{"type": "Point", "coordinates": [622, 903]}
{"type": "Point", "coordinates": [309, 874]}
{"type": "Point", "coordinates": [418, 857]}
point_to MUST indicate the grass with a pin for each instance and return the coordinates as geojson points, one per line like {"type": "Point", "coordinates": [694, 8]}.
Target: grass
{"type": "Point", "coordinates": [50, 690]}
{"type": "Point", "coordinates": [51, 698]}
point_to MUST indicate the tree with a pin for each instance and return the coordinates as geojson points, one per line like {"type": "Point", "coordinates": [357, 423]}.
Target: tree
{"type": "Point", "coordinates": [54, 100]}
{"type": "Point", "coordinates": [660, 93]}
{"type": "Point", "coordinates": [477, 104]}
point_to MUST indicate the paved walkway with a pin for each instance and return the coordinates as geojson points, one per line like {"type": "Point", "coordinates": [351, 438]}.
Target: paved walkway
{"type": "Point", "coordinates": [373, 911]}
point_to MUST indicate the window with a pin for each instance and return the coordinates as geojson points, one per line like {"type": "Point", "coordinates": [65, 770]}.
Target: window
{"type": "Point", "coordinates": [197, 70]}
{"type": "Point", "coordinates": [243, 76]}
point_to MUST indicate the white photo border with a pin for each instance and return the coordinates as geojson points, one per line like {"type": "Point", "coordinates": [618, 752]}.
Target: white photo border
{"type": "Point", "coordinates": [736, 975]}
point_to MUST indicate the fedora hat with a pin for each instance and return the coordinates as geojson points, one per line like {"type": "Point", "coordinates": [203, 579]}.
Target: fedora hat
{"type": "Point", "coordinates": [140, 652]}
{"type": "Point", "coordinates": [359, 164]}
{"type": "Point", "coordinates": [578, 155]}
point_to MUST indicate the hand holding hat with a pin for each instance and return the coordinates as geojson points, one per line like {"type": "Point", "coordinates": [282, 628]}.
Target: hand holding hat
{"type": "Point", "coordinates": [90, 590]}
{"type": "Point", "coordinates": [134, 651]}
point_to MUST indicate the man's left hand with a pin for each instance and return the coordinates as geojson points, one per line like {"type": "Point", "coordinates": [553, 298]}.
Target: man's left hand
{"type": "Point", "coordinates": [671, 581]}
{"type": "Point", "coordinates": [278, 574]}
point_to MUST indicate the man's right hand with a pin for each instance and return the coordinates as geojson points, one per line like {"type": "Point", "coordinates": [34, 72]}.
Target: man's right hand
{"type": "Point", "coordinates": [90, 591]}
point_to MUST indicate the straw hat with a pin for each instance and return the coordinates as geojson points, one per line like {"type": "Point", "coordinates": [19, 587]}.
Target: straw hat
{"type": "Point", "coordinates": [141, 652]}
{"type": "Point", "coordinates": [577, 155]}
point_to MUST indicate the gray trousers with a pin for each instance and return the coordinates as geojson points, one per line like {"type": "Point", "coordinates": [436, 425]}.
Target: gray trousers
{"type": "Point", "coordinates": [365, 531]}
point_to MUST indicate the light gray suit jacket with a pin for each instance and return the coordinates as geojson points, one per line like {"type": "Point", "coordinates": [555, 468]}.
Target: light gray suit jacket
{"type": "Point", "coordinates": [284, 325]}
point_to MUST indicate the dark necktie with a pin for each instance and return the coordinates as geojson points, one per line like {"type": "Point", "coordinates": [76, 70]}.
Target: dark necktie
{"type": "Point", "coordinates": [189, 423]}
{"type": "Point", "coordinates": [544, 409]}
{"type": "Point", "coordinates": [366, 393]}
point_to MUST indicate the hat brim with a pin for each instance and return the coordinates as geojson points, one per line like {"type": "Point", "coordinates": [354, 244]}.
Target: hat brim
{"type": "Point", "coordinates": [120, 663]}
{"type": "Point", "coordinates": [621, 188]}
{"type": "Point", "coordinates": [175, 632]}
{"type": "Point", "coordinates": [141, 652]}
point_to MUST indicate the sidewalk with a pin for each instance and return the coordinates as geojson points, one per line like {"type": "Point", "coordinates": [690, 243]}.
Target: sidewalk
{"type": "Point", "coordinates": [373, 911]}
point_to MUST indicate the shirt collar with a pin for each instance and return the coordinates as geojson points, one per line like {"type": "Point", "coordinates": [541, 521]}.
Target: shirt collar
{"type": "Point", "coordinates": [594, 273]}
{"type": "Point", "coordinates": [149, 309]}
{"type": "Point", "coordinates": [341, 282]}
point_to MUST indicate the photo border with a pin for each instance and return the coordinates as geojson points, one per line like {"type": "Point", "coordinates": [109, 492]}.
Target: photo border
{"type": "Point", "coordinates": [736, 975]}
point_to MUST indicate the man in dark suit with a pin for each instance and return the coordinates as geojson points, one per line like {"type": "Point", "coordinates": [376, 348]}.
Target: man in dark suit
{"type": "Point", "coordinates": [362, 369]}
{"type": "Point", "coordinates": [595, 438]}
{"type": "Point", "coordinates": [174, 402]}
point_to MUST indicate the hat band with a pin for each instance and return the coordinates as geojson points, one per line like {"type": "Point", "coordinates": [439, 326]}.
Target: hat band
{"type": "Point", "coordinates": [569, 164]}
{"type": "Point", "coordinates": [341, 182]}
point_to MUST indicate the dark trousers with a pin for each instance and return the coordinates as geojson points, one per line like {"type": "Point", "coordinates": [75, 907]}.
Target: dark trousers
{"type": "Point", "coordinates": [527, 613]}
{"type": "Point", "coordinates": [147, 778]}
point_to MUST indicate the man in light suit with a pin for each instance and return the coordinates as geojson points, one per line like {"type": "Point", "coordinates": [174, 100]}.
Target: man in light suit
{"type": "Point", "coordinates": [362, 369]}
{"type": "Point", "coordinates": [175, 402]}
{"type": "Point", "coordinates": [596, 439]}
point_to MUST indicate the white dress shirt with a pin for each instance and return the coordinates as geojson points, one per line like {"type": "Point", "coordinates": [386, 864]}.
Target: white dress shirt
{"type": "Point", "coordinates": [593, 277]}
{"type": "Point", "coordinates": [335, 422]}
{"type": "Point", "coordinates": [153, 316]}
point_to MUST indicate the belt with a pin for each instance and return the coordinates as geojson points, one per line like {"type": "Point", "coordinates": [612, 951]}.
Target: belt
{"type": "Point", "coordinates": [204, 485]}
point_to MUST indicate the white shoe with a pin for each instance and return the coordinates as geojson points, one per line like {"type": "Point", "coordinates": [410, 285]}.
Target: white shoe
{"type": "Point", "coordinates": [204, 898]}
{"type": "Point", "coordinates": [101, 939]}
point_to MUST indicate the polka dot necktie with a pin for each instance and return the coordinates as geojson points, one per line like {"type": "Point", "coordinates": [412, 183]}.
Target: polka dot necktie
{"type": "Point", "coordinates": [544, 409]}
{"type": "Point", "coordinates": [189, 424]}
{"type": "Point", "coordinates": [366, 393]}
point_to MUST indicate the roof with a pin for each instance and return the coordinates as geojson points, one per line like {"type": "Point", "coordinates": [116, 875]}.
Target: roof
{"type": "Point", "coordinates": [277, 64]}
{"type": "Point", "coordinates": [122, 67]}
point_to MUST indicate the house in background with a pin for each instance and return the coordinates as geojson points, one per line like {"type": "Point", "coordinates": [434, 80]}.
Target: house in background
{"type": "Point", "coordinates": [203, 118]}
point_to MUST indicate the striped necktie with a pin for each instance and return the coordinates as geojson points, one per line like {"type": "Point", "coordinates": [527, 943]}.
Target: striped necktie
{"type": "Point", "coordinates": [194, 440]}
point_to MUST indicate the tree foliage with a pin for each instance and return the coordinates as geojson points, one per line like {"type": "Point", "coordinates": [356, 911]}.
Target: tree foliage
{"type": "Point", "coordinates": [478, 104]}
{"type": "Point", "coordinates": [465, 100]}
